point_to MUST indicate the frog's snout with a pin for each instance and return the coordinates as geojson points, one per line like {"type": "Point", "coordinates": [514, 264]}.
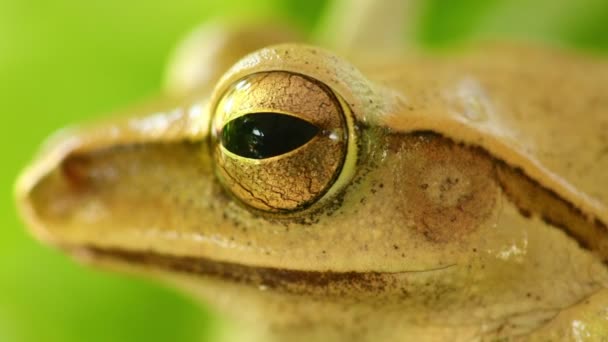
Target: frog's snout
{"type": "Point", "coordinates": [49, 187]}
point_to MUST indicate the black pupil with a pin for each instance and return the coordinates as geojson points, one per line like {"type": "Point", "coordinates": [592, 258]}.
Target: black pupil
{"type": "Point", "coordinates": [265, 135]}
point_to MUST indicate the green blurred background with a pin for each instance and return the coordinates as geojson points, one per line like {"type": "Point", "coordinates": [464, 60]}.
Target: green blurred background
{"type": "Point", "coordinates": [67, 60]}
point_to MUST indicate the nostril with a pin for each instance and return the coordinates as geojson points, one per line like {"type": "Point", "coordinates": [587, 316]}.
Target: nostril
{"type": "Point", "coordinates": [89, 171]}
{"type": "Point", "coordinates": [76, 171]}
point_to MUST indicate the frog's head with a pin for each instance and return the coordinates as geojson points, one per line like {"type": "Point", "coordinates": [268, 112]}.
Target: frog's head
{"type": "Point", "coordinates": [285, 164]}
{"type": "Point", "coordinates": [302, 178]}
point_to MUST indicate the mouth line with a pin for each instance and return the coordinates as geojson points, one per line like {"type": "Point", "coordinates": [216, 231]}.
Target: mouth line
{"type": "Point", "coordinates": [265, 278]}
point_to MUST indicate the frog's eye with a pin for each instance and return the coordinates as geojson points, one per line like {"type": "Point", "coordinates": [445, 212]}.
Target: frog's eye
{"type": "Point", "coordinates": [279, 140]}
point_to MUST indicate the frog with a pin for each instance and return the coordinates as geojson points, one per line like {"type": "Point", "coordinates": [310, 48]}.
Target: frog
{"type": "Point", "coordinates": [330, 192]}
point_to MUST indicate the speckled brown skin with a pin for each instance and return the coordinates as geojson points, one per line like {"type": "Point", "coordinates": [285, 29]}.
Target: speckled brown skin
{"type": "Point", "coordinates": [472, 204]}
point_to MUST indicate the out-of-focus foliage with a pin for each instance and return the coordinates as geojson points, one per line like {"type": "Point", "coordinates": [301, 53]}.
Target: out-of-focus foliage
{"type": "Point", "coordinates": [63, 61]}
{"type": "Point", "coordinates": [578, 24]}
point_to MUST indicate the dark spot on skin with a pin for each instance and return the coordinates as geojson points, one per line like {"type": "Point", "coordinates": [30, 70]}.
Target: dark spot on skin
{"type": "Point", "coordinates": [448, 183]}
{"type": "Point", "coordinates": [548, 220]}
{"type": "Point", "coordinates": [603, 152]}
{"type": "Point", "coordinates": [76, 170]}
{"type": "Point", "coordinates": [525, 213]}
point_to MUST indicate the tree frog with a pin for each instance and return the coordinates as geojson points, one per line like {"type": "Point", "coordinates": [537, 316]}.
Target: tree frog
{"type": "Point", "coordinates": [351, 194]}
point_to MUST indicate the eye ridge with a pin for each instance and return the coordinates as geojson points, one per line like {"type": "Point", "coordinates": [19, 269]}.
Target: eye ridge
{"type": "Point", "coordinates": [265, 134]}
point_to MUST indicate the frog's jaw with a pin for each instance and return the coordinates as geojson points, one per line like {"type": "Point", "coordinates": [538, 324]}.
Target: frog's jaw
{"type": "Point", "coordinates": [381, 307]}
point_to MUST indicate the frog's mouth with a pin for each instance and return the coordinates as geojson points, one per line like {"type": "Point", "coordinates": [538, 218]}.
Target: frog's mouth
{"type": "Point", "coordinates": [326, 283]}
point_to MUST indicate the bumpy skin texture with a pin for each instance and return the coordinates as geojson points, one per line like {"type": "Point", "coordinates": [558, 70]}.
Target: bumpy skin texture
{"type": "Point", "coordinates": [474, 205]}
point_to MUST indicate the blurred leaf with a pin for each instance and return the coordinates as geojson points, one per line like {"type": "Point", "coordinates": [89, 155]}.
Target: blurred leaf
{"type": "Point", "coordinates": [304, 14]}
{"type": "Point", "coordinates": [445, 22]}
{"type": "Point", "coordinates": [566, 22]}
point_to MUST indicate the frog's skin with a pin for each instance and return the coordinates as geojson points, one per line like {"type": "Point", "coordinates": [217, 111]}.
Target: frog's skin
{"type": "Point", "coordinates": [471, 205]}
